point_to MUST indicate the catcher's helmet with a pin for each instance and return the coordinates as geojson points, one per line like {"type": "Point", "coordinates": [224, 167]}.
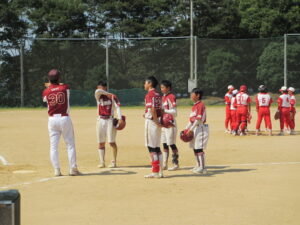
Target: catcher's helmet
{"type": "Point", "coordinates": [120, 124]}
{"type": "Point", "coordinates": [243, 88]}
{"type": "Point", "coordinates": [262, 88]}
{"type": "Point", "coordinates": [167, 120]}
{"type": "Point", "coordinates": [185, 136]}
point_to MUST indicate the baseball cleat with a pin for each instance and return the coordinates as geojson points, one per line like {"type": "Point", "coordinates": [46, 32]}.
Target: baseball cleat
{"type": "Point", "coordinates": [113, 164]}
{"type": "Point", "coordinates": [280, 133]}
{"type": "Point", "coordinates": [165, 167]}
{"type": "Point", "coordinates": [175, 167]}
{"type": "Point", "coordinates": [200, 171]}
{"type": "Point", "coordinates": [242, 134]}
{"type": "Point", "coordinates": [101, 165]}
{"type": "Point", "coordinates": [154, 175]}
{"type": "Point", "coordinates": [292, 132]}
{"type": "Point", "coordinates": [57, 173]}
{"type": "Point", "coordinates": [192, 170]}
{"type": "Point", "coordinates": [74, 172]}
{"type": "Point", "coordinates": [227, 131]}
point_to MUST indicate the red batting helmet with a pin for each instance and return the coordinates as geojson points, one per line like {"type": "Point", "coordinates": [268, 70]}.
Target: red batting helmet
{"type": "Point", "coordinates": [243, 88]}
{"type": "Point", "coordinates": [53, 74]}
{"type": "Point", "coordinates": [186, 136]}
{"type": "Point", "coordinates": [120, 124]}
{"type": "Point", "coordinates": [167, 120]}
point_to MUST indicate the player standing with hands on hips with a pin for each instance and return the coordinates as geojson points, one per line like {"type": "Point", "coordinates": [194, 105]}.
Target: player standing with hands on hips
{"type": "Point", "coordinates": [57, 97]}
{"type": "Point", "coordinates": [105, 128]}
{"type": "Point", "coordinates": [198, 128]}
{"type": "Point", "coordinates": [153, 112]}
{"type": "Point", "coordinates": [169, 130]}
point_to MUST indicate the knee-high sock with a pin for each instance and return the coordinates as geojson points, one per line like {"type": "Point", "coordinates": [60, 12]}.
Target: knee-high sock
{"type": "Point", "coordinates": [101, 152]}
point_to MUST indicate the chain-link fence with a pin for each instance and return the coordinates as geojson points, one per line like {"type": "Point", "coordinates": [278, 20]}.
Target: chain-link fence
{"type": "Point", "coordinates": [126, 63]}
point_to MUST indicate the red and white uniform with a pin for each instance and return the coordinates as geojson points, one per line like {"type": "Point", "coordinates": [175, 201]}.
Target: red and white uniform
{"type": "Point", "coordinates": [197, 125]}
{"type": "Point", "coordinates": [168, 135]}
{"type": "Point", "coordinates": [227, 100]}
{"type": "Point", "coordinates": [152, 131]}
{"type": "Point", "coordinates": [59, 122]}
{"type": "Point", "coordinates": [293, 111]}
{"type": "Point", "coordinates": [284, 107]}
{"type": "Point", "coordinates": [242, 101]}
{"type": "Point", "coordinates": [263, 103]}
{"type": "Point", "coordinates": [106, 109]}
{"type": "Point", "coordinates": [233, 113]}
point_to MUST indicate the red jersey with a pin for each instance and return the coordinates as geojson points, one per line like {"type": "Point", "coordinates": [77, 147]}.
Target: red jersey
{"type": "Point", "coordinates": [227, 99]}
{"type": "Point", "coordinates": [105, 105]}
{"type": "Point", "coordinates": [57, 98]}
{"type": "Point", "coordinates": [198, 112]}
{"type": "Point", "coordinates": [152, 100]}
{"type": "Point", "coordinates": [168, 101]}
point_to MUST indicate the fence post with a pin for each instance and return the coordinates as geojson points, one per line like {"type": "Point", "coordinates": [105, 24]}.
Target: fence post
{"type": "Point", "coordinates": [22, 73]}
{"type": "Point", "coordinates": [191, 41]}
{"type": "Point", "coordinates": [285, 60]}
{"type": "Point", "coordinates": [196, 63]}
{"type": "Point", "coordinates": [107, 62]}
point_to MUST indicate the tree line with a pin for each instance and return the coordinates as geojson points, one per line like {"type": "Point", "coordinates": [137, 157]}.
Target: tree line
{"type": "Point", "coordinates": [254, 57]}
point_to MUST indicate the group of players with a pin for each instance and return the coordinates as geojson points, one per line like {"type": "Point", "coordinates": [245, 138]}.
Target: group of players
{"type": "Point", "coordinates": [160, 125]}
{"type": "Point", "coordinates": [238, 110]}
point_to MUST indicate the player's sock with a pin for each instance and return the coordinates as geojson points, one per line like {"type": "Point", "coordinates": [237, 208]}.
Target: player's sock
{"type": "Point", "coordinates": [201, 157]}
{"type": "Point", "coordinates": [175, 155]}
{"type": "Point", "coordinates": [165, 154]}
{"type": "Point", "coordinates": [196, 157]}
{"type": "Point", "coordinates": [154, 162]}
{"type": "Point", "coordinates": [101, 155]}
{"type": "Point", "coordinates": [161, 163]}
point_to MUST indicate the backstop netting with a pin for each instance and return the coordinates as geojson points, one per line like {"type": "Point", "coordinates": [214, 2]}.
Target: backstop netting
{"type": "Point", "coordinates": [219, 62]}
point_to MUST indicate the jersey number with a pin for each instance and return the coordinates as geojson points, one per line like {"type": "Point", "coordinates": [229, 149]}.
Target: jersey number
{"type": "Point", "coordinates": [56, 98]}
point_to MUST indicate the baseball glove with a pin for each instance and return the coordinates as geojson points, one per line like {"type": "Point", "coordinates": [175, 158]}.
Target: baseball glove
{"type": "Point", "coordinates": [277, 115]}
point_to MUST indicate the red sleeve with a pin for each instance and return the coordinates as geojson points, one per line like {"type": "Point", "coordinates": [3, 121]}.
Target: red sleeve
{"type": "Point", "coordinates": [173, 100]}
{"type": "Point", "coordinates": [279, 101]}
{"type": "Point", "coordinates": [44, 93]}
{"type": "Point", "coordinates": [227, 100]}
{"type": "Point", "coordinates": [117, 101]}
{"type": "Point", "coordinates": [293, 102]}
{"type": "Point", "coordinates": [200, 111]}
{"type": "Point", "coordinates": [148, 101]}
{"type": "Point", "coordinates": [271, 101]}
{"type": "Point", "coordinates": [249, 99]}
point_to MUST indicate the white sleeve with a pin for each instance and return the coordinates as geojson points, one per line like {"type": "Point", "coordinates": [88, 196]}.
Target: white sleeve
{"type": "Point", "coordinates": [45, 99]}
{"type": "Point", "coordinates": [98, 93]}
{"type": "Point", "coordinates": [188, 126]}
{"type": "Point", "coordinates": [172, 111]}
{"type": "Point", "coordinates": [68, 99]}
{"type": "Point", "coordinates": [118, 109]}
{"type": "Point", "coordinates": [196, 123]}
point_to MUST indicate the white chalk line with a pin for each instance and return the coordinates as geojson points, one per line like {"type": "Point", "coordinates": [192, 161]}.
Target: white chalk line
{"type": "Point", "coordinates": [4, 161]}
{"type": "Point", "coordinates": [42, 180]}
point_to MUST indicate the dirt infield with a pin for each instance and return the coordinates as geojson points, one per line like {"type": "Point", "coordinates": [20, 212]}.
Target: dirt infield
{"type": "Point", "coordinates": [251, 180]}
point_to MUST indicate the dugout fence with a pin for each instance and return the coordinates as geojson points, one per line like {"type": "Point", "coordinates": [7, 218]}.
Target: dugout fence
{"type": "Point", "coordinates": [124, 63]}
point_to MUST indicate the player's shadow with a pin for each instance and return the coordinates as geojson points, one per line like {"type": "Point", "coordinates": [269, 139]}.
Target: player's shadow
{"type": "Point", "coordinates": [116, 171]}
{"type": "Point", "coordinates": [212, 171]}
{"type": "Point", "coordinates": [138, 166]}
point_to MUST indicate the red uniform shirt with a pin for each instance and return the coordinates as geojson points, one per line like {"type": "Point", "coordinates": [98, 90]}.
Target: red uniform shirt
{"type": "Point", "coordinates": [152, 100]}
{"type": "Point", "coordinates": [284, 101]}
{"type": "Point", "coordinates": [168, 101]}
{"type": "Point", "coordinates": [105, 105]}
{"type": "Point", "coordinates": [227, 99]}
{"type": "Point", "coordinates": [242, 99]}
{"type": "Point", "coordinates": [57, 98]}
{"type": "Point", "coordinates": [198, 112]}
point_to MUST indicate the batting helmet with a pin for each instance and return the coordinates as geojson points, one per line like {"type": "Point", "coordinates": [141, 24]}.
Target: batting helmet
{"type": "Point", "coordinates": [120, 124]}
{"type": "Point", "coordinates": [53, 75]}
{"type": "Point", "coordinates": [186, 136]}
{"type": "Point", "coordinates": [167, 120]}
{"type": "Point", "coordinates": [262, 88]}
{"type": "Point", "coordinates": [243, 88]}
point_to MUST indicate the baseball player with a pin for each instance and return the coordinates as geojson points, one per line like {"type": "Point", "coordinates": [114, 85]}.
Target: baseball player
{"type": "Point", "coordinates": [169, 132]}
{"type": "Point", "coordinates": [59, 123]}
{"type": "Point", "coordinates": [197, 125]}
{"type": "Point", "coordinates": [263, 103]}
{"type": "Point", "coordinates": [153, 112]}
{"type": "Point", "coordinates": [291, 92]}
{"type": "Point", "coordinates": [284, 107]}
{"type": "Point", "coordinates": [233, 111]}
{"type": "Point", "coordinates": [227, 100]}
{"type": "Point", "coordinates": [107, 104]}
{"type": "Point", "coordinates": [243, 112]}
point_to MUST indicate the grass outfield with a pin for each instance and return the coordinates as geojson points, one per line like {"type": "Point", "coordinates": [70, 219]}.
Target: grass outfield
{"type": "Point", "coordinates": [251, 180]}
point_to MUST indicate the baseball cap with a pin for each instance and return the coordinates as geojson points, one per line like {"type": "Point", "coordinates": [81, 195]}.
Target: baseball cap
{"type": "Point", "coordinates": [230, 87]}
{"type": "Point", "coordinates": [283, 88]}
{"type": "Point", "coordinates": [291, 89]}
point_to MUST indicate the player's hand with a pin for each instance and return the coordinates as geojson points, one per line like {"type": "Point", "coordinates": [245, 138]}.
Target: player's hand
{"type": "Point", "coordinates": [189, 132]}
{"type": "Point", "coordinates": [47, 84]}
{"type": "Point", "coordinates": [112, 96]}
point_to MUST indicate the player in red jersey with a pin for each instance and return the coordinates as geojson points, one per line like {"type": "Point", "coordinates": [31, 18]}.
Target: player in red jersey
{"type": "Point", "coordinates": [243, 111]}
{"type": "Point", "coordinates": [169, 129]}
{"type": "Point", "coordinates": [227, 100]}
{"type": "Point", "coordinates": [107, 103]}
{"type": "Point", "coordinates": [197, 125]}
{"type": "Point", "coordinates": [284, 107]}
{"type": "Point", "coordinates": [233, 111]}
{"type": "Point", "coordinates": [263, 103]}
{"type": "Point", "coordinates": [153, 113]}
{"type": "Point", "coordinates": [57, 97]}
{"type": "Point", "coordinates": [291, 91]}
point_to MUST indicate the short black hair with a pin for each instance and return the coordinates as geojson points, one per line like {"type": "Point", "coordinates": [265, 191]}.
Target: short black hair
{"type": "Point", "coordinates": [199, 92]}
{"type": "Point", "coordinates": [167, 83]}
{"type": "Point", "coordinates": [102, 83]}
{"type": "Point", "coordinates": [152, 80]}
{"type": "Point", "coordinates": [53, 80]}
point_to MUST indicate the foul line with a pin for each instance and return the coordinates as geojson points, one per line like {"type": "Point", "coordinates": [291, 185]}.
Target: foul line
{"type": "Point", "coordinates": [4, 161]}
{"type": "Point", "coordinates": [143, 168]}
